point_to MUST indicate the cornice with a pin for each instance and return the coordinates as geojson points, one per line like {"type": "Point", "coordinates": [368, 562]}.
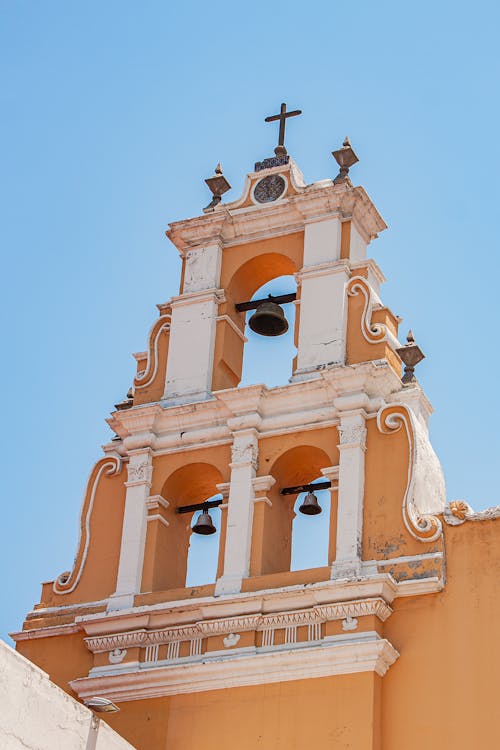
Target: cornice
{"type": "Point", "coordinates": [379, 586]}
{"type": "Point", "coordinates": [48, 632]}
{"type": "Point", "coordinates": [240, 623]}
{"type": "Point", "coordinates": [305, 404]}
{"type": "Point", "coordinates": [233, 224]}
{"type": "Point", "coordinates": [365, 653]}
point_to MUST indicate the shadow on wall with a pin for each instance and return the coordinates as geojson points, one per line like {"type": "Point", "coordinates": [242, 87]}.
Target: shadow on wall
{"type": "Point", "coordinates": [268, 360]}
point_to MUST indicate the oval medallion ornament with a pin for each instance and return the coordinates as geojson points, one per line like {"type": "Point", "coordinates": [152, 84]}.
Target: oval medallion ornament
{"type": "Point", "coordinates": [269, 189]}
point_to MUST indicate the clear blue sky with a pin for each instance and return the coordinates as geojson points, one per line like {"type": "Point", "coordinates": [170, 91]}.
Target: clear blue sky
{"type": "Point", "coordinates": [112, 115]}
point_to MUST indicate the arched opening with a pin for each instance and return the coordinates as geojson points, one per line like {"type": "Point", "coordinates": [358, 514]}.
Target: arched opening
{"type": "Point", "coordinates": [272, 544]}
{"type": "Point", "coordinates": [173, 556]}
{"type": "Point", "coordinates": [311, 534]}
{"type": "Point", "coordinates": [269, 359]}
{"type": "Point", "coordinates": [241, 283]}
{"type": "Point", "coordinates": [203, 552]}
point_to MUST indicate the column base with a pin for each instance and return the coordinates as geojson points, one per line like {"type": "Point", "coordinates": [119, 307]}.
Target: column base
{"type": "Point", "coordinates": [230, 584]}
{"type": "Point", "coordinates": [177, 399]}
{"type": "Point", "coordinates": [120, 601]}
{"type": "Point", "coordinates": [346, 569]}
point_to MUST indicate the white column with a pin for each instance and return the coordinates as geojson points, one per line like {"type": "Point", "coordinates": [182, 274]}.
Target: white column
{"type": "Point", "coordinates": [352, 447]}
{"type": "Point", "coordinates": [323, 310]}
{"type": "Point", "coordinates": [240, 512]}
{"type": "Point", "coordinates": [129, 577]}
{"type": "Point", "coordinates": [323, 316]}
{"type": "Point", "coordinates": [191, 347]}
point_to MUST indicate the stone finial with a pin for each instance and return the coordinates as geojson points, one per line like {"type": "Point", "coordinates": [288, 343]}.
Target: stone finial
{"type": "Point", "coordinates": [218, 185]}
{"type": "Point", "coordinates": [345, 158]}
{"type": "Point", "coordinates": [411, 355]}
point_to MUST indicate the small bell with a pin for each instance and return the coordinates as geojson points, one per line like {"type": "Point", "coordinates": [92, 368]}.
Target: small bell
{"type": "Point", "coordinates": [269, 319]}
{"type": "Point", "coordinates": [204, 525]}
{"type": "Point", "coordinates": [310, 506]}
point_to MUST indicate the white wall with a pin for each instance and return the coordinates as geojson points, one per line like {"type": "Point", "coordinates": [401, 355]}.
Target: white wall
{"type": "Point", "coordinates": [35, 714]}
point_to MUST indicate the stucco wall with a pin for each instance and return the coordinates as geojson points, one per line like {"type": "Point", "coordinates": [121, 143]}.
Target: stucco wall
{"type": "Point", "coordinates": [37, 715]}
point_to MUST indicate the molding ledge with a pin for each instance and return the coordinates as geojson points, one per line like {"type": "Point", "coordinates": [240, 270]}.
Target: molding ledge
{"type": "Point", "coordinates": [366, 653]}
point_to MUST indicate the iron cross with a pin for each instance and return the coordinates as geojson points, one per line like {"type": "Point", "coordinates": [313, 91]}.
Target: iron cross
{"type": "Point", "coordinates": [282, 117]}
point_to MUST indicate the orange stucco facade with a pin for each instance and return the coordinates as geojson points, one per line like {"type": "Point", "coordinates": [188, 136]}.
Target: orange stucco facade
{"type": "Point", "coordinates": [391, 642]}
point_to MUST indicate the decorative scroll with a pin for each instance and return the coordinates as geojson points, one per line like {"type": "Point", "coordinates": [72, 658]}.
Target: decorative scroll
{"type": "Point", "coordinates": [67, 582]}
{"type": "Point", "coordinates": [425, 490]}
{"type": "Point", "coordinates": [146, 377]}
{"type": "Point", "coordinates": [458, 512]}
{"type": "Point", "coordinates": [372, 332]}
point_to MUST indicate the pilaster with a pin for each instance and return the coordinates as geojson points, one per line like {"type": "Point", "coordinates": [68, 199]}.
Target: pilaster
{"type": "Point", "coordinates": [240, 512]}
{"type": "Point", "coordinates": [140, 470]}
{"type": "Point", "coordinates": [332, 473]}
{"type": "Point", "coordinates": [351, 483]}
{"type": "Point", "coordinates": [192, 344]}
{"type": "Point", "coordinates": [323, 316]}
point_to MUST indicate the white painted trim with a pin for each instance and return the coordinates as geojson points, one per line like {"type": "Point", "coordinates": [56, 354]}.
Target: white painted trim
{"type": "Point", "coordinates": [233, 325]}
{"type": "Point", "coordinates": [155, 501]}
{"type": "Point", "coordinates": [159, 518]}
{"type": "Point", "coordinates": [340, 656]}
{"type": "Point", "coordinates": [320, 613]}
{"type": "Point", "coordinates": [142, 379]}
{"type": "Point", "coordinates": [262, 601]}
{"type": "Point", "coordinates": [47, 632]}
{"type": "Point", "coordinates": [405, 559]}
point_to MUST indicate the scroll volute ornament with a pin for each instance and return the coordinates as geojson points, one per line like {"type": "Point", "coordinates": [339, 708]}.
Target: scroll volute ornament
{"type": "Point", "coordinates": [146, 377]}
{"type": "Point", "coordinates": [425, 492]}
{"type": "Point", "coordinates": [68, 581]}
{"type": "Point", "coordinates": [372, 332]}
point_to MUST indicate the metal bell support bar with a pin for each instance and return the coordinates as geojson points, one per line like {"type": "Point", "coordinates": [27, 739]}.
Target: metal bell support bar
{"type": "Point", "coordinates": [199, 506]}
{"type": "Point", "coordinates": [281, 299]}
{"type": "Point", "coordinates": [306, 488]}
{"type": "Point", "coordinates": [204, 524]}
{"type": "Point", "coordinates": [310, 506]}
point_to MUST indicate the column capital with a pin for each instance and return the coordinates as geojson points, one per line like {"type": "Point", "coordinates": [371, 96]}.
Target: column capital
{"type": "Point", "coordinates": [193, 298]}
{"type": "Point", "coordinates": [323, 269]}
{"type": "Point", "coordinates": [140, 468]}
{"type": "Point", "coordinates": [245, 448]}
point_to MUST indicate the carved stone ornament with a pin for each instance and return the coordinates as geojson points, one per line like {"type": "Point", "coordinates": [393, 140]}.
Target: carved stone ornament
{"type": "Point", "coordinates": [350, 623]}
{"type": "Point", "coordinates": [269, 189]}
{"type": "Point", "coordinates": [231, 640]}
{"type": "Point", "coordinates": [458, 512]}
{"type": "Point", "coordinates": [352, 434]}
{"type": "Point", "coordinates": [241, 453]}
{"type": "Point", "coordinates": [139, 472]}
{"type": "Point", "coordinates": [273, 161]}
{"type": "Point", "coordinates": [117, 655]}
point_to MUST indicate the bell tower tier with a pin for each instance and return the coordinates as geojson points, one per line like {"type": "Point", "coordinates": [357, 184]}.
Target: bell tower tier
{"type": "Point", "coordinates": [319, 233]}
{"type": "Point", "coordinates": [240, 474]}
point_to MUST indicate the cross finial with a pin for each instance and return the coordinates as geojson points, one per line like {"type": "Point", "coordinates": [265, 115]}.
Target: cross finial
{"type": "Point", "coordinates": [280, 149]}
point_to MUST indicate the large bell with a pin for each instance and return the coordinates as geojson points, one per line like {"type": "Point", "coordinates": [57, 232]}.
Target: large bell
{"type": "Point", "coordinates": [310, 506]}
{"type": "Point", "coordinates": [269, 319]}
{"type": "Point", "coordinates": [204, 525]}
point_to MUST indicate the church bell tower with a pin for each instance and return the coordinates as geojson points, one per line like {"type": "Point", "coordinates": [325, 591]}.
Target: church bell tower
{"type": "Point", "coordinates": [260, 655]}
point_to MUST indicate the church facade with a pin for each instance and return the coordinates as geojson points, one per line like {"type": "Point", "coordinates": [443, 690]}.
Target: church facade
{"type": "Point", "coordinates": [392, 642]}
